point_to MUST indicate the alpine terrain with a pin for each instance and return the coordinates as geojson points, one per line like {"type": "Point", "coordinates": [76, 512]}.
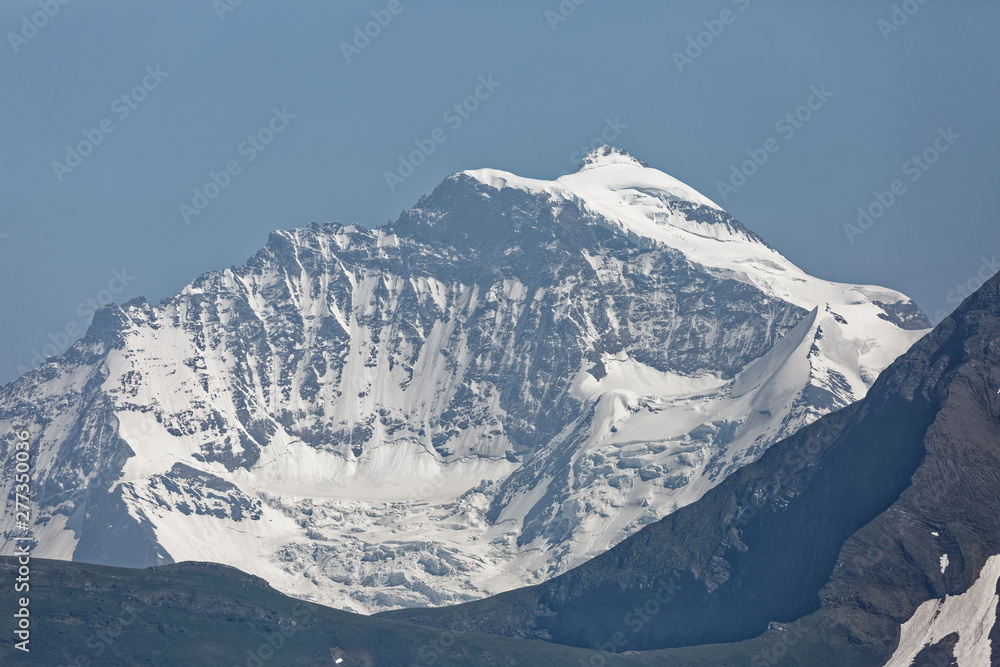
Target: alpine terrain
{"type": "Point", "coordinates": [870, 538]}
{"type": "Point", "coordinates": [508, 380]}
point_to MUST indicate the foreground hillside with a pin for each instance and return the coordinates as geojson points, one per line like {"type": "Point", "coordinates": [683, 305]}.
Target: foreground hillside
{"type": "Point", "coordinates": [209, 615]}
{"type": "Point", "coordinates": [204, 614]}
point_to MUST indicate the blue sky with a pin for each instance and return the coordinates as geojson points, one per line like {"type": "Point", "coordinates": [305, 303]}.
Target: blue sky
{"type": "Point", "coordinates": [188, 89]}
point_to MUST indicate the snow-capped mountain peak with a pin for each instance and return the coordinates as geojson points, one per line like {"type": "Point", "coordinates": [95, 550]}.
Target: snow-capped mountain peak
{"type": "Point", "coordinates": [604, 171]}
{"type": "Point", "coordinates": [653, 209]}
{"type": "Point", "coordinates": [513, 376]}
{"type": "Point", "coordinates": [608, 155]}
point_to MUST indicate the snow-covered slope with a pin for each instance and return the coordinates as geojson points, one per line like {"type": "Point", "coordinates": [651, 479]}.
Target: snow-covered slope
{"type": "Point", "coordinates": [509, 379]}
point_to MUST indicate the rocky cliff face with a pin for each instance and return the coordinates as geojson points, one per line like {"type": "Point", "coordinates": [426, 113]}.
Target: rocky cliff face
{"type": "Point", "coordinates": [509, 379]}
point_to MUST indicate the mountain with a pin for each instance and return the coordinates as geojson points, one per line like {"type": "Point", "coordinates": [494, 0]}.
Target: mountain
{"type": "Point", "coordinates": [509, 379]}
{"type": "Point", "coordinates": [917, 584]}
{"type": "Point", "coordinates": [870, 537]}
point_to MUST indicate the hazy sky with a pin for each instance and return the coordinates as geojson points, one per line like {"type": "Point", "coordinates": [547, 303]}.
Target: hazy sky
{"type": "Point", "coordinates": [183, 86]}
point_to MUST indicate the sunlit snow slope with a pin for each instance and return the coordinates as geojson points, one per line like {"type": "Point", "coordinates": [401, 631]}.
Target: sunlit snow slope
{"type": "Point", "coordinates": [509, 379]}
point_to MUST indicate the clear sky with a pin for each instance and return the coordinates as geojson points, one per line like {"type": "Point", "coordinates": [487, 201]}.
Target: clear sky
{"type": "Point", "coordinates": [183, 86]}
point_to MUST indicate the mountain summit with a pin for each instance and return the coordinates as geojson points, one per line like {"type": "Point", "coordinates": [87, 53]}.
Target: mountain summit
{"type": "Point", "coordinates": [606, 155]}
{"type": "Point", "coordinates": [511, 378]}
